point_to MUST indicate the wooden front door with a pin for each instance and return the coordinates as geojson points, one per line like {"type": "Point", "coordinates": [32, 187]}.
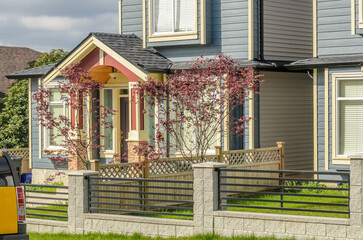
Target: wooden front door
{"type": "Point", "coordinates": [124, 124]}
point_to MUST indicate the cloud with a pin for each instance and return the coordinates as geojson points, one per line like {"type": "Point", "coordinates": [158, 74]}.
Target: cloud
{"type": "Point", "coordinates": [44, 25]}
{"type": "Point", "coordinates": [49, 23]}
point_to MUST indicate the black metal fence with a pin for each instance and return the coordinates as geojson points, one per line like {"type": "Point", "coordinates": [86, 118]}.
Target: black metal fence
{"type": "Point", "coordinates": [141, 197]}
{"type": "Point", "coordinates": [46, 201]}
{"type": "Point", "coordinates": [293, 192]}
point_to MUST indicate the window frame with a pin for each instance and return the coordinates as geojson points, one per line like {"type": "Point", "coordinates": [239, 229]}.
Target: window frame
{"type": "Point", "coordinates": [338, 100]}
{"type": "Point", "coordinates": [174, 36]}
{"type": "Point", "coordinates": [47, 139]}
{"type": "Point", "coordinates": [336, 78]}
{"type": "Point", "coordinates": [110, 152]}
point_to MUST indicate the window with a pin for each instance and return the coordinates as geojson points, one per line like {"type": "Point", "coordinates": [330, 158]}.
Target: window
{"type": "Point", "coordinates": [349, 127]}
{"type": "Point", "coordinates": [58, 106]}
{"type": "Point", "coordinates": [173, 16]}
{"type": "Point", "coordinates": [107, 130]}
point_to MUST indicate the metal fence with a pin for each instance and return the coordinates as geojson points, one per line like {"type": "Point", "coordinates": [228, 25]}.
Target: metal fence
{"type": "Point", "coordinates": [141, 197]}
{"type": "Point", "coordinates": [281, 191]}
{"type": "Point", "coordinates": [46, 201]}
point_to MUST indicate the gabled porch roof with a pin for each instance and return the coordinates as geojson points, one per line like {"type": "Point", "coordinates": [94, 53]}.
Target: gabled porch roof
{"type": "Point", "coordinates": [127, 49]}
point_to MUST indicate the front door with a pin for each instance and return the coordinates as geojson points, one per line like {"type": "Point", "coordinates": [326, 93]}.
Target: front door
{"type": "Point", "coordinates": [124, 124]}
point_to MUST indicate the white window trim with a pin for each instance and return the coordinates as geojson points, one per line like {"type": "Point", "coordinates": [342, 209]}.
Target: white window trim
{"type": "Point", "coordinates": [47, 145]}
{"type": "Point", "coordinates": [108, 153]}
{"type": "Point", "coordinates": [175, 36]}
{"type": "Point", "coordinates": [336, 77]}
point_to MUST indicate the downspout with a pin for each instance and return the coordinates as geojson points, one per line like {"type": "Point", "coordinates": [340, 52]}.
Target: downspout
{"type": "Point", "coordinates": [261, 50]}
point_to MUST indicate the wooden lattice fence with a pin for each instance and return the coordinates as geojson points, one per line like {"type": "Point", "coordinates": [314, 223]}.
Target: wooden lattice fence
{"type": "Point", "coordinates": [22, 153]}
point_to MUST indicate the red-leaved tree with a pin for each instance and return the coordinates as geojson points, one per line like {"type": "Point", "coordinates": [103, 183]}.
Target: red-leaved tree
{"type": "Point", "coordinates": [65, 111]}
{"type": "Point", "coordinates": [194, 106]}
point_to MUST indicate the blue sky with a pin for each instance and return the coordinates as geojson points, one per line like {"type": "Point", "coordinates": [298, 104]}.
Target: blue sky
{"type": "Point", "coordinates": [46, 24]}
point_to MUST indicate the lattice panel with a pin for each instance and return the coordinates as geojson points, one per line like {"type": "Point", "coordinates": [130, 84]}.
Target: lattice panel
{"type": "Point", "coordinates": [170, 166]}
{"type": "Point", "coordinates": [18, 152]}
{"type": "Point", "coordinates": [128, 170]}
{"type": "Point", "coordinates": [247, 157]}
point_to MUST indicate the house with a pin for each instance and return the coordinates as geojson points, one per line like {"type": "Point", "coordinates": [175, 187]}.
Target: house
{"type": "Point", "coordinates": [158, 36]}
{"type": "Point", "coordinates": [338, 82]}
{"type": "Point", "coordinates": [13, 59]}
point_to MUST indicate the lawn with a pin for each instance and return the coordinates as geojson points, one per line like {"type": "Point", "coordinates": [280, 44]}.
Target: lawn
{"type": "Point", "coordinates": [98, 236]}
{"type": "Point", "coordinates": [300, 206]}
{"type": "Point", "coordinates": [46, 211]}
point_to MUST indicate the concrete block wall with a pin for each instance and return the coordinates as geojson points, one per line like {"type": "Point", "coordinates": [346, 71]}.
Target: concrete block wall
{"type": "Point", "coordinates": [207, 217]}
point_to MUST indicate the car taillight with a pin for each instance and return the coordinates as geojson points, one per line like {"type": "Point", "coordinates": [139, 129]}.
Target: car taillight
{"type": "Point", "coordinates": [21, 203]}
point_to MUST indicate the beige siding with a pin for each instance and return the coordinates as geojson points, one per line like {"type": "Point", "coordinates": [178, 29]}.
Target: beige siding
{"type": "Point", "coordinates": [286, 114]}
{"type": "Point", "coordinates": [288, 29]}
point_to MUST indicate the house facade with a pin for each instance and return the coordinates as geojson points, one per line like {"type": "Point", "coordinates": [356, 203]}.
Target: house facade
{"type": "Point", "coordinates": [157, 37]}
{"type": "Point", "coordinates": [338, 81]}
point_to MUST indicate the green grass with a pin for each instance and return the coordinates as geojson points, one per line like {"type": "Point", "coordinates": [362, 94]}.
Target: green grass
{"type": "Point", "coordinates": [98, 236]}
{"type": "Point", "coordinates": [44, 211]}
{"type": "Point", "coordinates": [300, 206]}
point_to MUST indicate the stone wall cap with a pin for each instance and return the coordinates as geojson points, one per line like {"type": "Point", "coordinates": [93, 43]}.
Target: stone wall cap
{"type": "Point", "coordinates": [209, 165]}
{"type": "Point", "coordinates": [356, 157]}
{"type": "Point", "coordinates": [83, 173]}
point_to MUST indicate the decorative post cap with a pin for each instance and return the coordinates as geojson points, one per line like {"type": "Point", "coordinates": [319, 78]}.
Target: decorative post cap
{"type": "Point", "coordinates": [209, 165]}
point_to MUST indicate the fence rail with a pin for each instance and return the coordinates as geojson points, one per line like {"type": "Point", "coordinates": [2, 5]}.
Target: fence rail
{"type": "Point", "coordinates": [167, 166]}
{"type": "Point", "coordinates": [251, 190]}
{"type": "Point", "coordinates": [46, 201]}
{"type": "Point", "coordinates": [145, 197]}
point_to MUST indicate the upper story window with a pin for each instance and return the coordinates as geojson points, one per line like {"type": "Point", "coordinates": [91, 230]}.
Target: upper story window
{"type": "Point", "coordinates": [173, 16]}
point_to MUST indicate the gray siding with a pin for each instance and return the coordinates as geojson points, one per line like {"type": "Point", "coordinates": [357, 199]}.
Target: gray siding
{"type": "Point", "coordinates": [334, 29]}
{"type": "Point", "coordinates": [321, 117]}
{"type": "Point", "coordinates": [228, 33]}
{"type": "Point", "coordinates": [288, 29]}
{"type": "Point", "coordinates": [131, 17]}
{"type": "Point", "coordinates": [39, 160]}
{"type": "Point", "coordinates": [286, 113]}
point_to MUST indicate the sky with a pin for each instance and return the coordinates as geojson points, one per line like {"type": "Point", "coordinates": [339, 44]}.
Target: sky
{"type": "Point", "coordinates": [51, 24]}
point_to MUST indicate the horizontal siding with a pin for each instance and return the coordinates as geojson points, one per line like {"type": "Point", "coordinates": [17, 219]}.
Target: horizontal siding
{"type": "Point", "coordinates": [228, 33]}
{"type": "Point", "coordinates": [286, 112]}
{"type": "Point", "coordinates": [288, 29]}
{"type": "Point", "coordinates": [131, 17]}
{"type": "Point", "coordinates": [334, 29]}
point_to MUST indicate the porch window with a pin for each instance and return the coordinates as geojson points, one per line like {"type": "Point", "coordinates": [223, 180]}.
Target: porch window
{"type": "Point", "coordinates": [58, 107]}
{"type": "Point", "coordinates": [108, 131]}
{"type": "Point", "coordinates": [349, 117]}
{"type": "Point", "coordinates": [173, 16]}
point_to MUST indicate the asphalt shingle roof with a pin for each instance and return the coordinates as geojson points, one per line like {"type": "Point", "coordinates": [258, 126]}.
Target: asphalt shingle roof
{"type": "Point", "coordinates": [130, 47]}
{"type": "Point", "coordinates": [13, 59]}
{"type": "Point", "coordinates": [33, 72]}
{"type": "Point", "coordinates": [336, 60]}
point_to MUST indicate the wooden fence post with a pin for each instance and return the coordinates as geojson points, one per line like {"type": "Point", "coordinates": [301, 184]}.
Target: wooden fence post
{"type": "Point", "coordinates": [219, 153]}
{"type": "Point", "coordinates": [95, 165]}
{"type": "Point", "coordinates": [143, 186]}
{"type": "Point", "coordinates": [281, 145]}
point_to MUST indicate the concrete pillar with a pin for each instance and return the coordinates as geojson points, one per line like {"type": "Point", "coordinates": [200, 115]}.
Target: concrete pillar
{"type": "Point", "coordinates": [78, 199]}
{"type": "Point", "coordinates": [356, 197]}
{"type": "Point", "coordinates": [205, 195]}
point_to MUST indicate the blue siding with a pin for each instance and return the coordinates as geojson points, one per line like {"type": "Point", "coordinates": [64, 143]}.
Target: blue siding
{"type": "Point", "coordinates": [227, 30]}
{"type": "Point", "coordinates": [321, 117]}
{"type": "Point", "coordinates": [229, 33]}
{"type": "Point", "coordinates": [334, 29]}
{"type": "Point", "coordinates": [131, 17]}
{"type": "Point", "coordinates": [37, 162]}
